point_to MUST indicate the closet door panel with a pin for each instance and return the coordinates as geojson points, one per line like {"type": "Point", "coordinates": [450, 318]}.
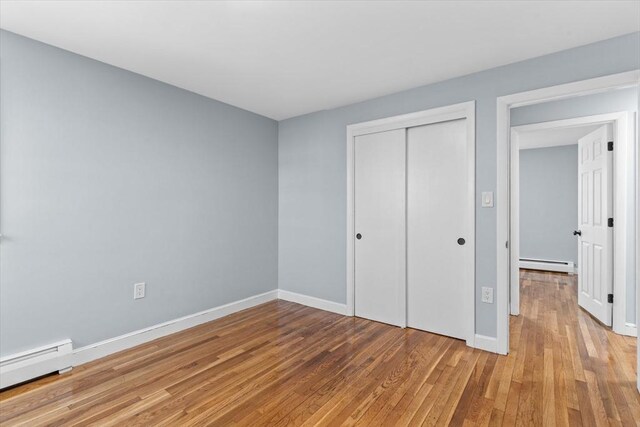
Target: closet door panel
{"type": "Point", "coordinates": [380, 227]}
{"type": "Point", "coordinates": [437, 222]}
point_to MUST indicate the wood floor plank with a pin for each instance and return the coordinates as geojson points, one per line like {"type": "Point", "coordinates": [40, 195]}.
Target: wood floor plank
{"type": "Point", "coordinates": [284, 364]}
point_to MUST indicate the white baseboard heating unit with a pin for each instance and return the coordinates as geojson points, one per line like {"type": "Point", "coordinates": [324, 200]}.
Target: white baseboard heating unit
{"type": "Point", "coordinates": [27, 365]}
{"type": "Point", "coordinates": [548, 265]}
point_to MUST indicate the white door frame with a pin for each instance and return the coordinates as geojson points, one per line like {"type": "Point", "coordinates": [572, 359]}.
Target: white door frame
{"type": "Point", "coordinates": [504, 106]}
{"type": "Point", "coordinates": [637, 246]}
{"type": "Point", "coordinates": [465, 110]}
{"type": "Point", "coordinates": [623, 131]}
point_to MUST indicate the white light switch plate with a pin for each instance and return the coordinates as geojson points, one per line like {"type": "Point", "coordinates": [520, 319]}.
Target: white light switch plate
{"type": "Point", "coordinates": [487, 295]}
{"type": "Point", "coordinates": [487, 199]}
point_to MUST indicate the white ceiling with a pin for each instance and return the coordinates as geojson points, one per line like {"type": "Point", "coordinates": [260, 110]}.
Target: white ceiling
{"type": "Point", "coordinates": [283, 59]}
{"type": "Point", "coordinates": [553, 137]}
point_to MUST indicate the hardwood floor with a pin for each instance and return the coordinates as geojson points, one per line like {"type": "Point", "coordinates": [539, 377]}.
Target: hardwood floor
{"type": "Point", "coordinates": [286, 364]}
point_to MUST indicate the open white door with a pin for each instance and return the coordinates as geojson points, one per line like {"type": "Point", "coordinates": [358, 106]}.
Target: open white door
{"type": "Point", "coordinates": [595, 247]}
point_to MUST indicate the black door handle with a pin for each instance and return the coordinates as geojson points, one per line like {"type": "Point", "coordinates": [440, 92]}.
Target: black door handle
{"type": "Point", "coordinates": [358, 236]}
{"type": "Point", "coordinates": [461, 241]}
{"type": "Point", "coordinates": [577, 233]}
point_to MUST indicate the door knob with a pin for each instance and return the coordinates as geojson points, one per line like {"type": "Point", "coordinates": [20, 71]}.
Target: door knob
{"type": "Point", "coordinates": [577, 233]}
{"type": "Point", "coordinates": [461, 241]}
{"type": "Point", "coordinates": [358, 236]}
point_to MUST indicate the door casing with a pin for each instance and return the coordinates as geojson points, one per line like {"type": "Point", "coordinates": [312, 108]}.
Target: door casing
{"type": "Point", "coordinates": [504, 104]}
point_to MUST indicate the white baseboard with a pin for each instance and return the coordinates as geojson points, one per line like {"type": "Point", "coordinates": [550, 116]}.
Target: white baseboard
{"type": "Point", "coordinates": [629, 329]}
{"type": "Point", "coordinates": [104, 348]}
{"type": "Point", "coordinates": [26, 365]}
{"type": "Point", "coordinates": [314, 302]}
{"type": "Point", "coordinates": [539, 264]}
{"type": "Point", "coordinates": [481, 342]}
{"type": "Point", "coordinates": [486, 343]}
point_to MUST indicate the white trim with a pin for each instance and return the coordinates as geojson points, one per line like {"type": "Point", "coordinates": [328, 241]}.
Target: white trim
{"type": "Point", "coordinates": [549, 143]}
{"type": "Point", "coordinates": [465, 110]}
{"type": "Point", "coordinates": [545, 265]}
{"type": "Point", "coordinates": [622, 123]}
{"type": "Point", "coordinates": [26, 365]}
{"type": "Point", "coordinates": [314, 302]}
{"type": "Point", "coordinates": [573, 89]}
{"type": "Point", "coordinates": [629, 329]}
{"type": "Point", "coordinates": [514, 162]}
{"type": "Point", "coordinates": [123, 342]}
{"type": "Point", "coordinates": [486, 343]}
{"type": "Point", "coordinates": [502, 227]}
{"type": "Point", "coordinates": [504, 104]}
{"type": "Point", "coordinates": [637, 254]}
{"type": "Point", "coordinates": [113, 345]}
{"type": "Point", "coordinates": [420, 118]}
{"type": "Point", "coordinates": [546, 145]}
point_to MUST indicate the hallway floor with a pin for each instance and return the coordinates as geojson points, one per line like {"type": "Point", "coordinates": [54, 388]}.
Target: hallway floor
{"type": "Point", "coordinates": [567, 367]}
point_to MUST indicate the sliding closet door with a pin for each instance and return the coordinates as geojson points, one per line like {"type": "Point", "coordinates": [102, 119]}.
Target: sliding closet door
{"type": "Point", "coordinates": [438, 218]}
{"type": "Point", "coordinates": [380, 209]}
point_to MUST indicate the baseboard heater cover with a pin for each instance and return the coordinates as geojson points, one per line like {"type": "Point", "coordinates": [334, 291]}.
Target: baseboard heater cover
{"type": "Point", "coordinates": [548, 265]}
{"type": "Point", "coordinates": [30, 364]}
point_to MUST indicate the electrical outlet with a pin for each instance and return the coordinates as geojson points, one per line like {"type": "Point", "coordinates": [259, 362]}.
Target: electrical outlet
{"type": "Point", "coordinates": [487, 295]}
{"type": "Point", "coordinates": [138, 290]}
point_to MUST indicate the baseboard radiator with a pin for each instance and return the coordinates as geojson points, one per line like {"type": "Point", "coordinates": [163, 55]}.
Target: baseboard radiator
{"type": "Point", "coordinates": [548, 265]}
{"type": "Point", "coordinates": [21, 367]}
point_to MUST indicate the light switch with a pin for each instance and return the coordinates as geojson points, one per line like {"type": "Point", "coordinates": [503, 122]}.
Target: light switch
{"type": "Point", "coordinates": [487, 199]}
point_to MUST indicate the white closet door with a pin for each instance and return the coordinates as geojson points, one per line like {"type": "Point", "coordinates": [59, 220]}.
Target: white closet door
{"type": "Point", "coordinates": [438, 215]}
{"type": "Point", "coordinates": [380, 209]}
{"type": "Point", "coordinates": [595, 201]}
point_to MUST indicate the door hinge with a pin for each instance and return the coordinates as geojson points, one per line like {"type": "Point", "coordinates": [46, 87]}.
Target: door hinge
{"type": "Point", "coordinates": [610, 298]}
{"type": "Point", "coordinates": [610, 146]}
{"type": "Point", "coordinates": [610, 222]}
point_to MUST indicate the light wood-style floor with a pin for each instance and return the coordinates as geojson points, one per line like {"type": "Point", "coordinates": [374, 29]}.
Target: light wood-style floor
{"type": "Point", "coordinates": [286, 364]}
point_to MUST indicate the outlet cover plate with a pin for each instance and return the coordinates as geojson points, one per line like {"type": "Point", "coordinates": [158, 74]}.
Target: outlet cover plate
{"type": "Point", "coordinates": [487, 295]}
{"type": "Point", "coordinates": [138, 290]}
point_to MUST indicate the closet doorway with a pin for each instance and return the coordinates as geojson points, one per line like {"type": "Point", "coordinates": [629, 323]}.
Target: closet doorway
{"type": "Point", "coordinates": [411, 221]}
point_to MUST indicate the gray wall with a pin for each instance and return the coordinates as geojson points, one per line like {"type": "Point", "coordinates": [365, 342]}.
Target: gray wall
{"type": "Point", "coordinates": [110, 178]}
{"type": "Point", "coordinates": [607, 102]}
{"type": "Point", "coordinates": [312, 171]}
{"type": "Point", "coordinates": [549, 203]}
